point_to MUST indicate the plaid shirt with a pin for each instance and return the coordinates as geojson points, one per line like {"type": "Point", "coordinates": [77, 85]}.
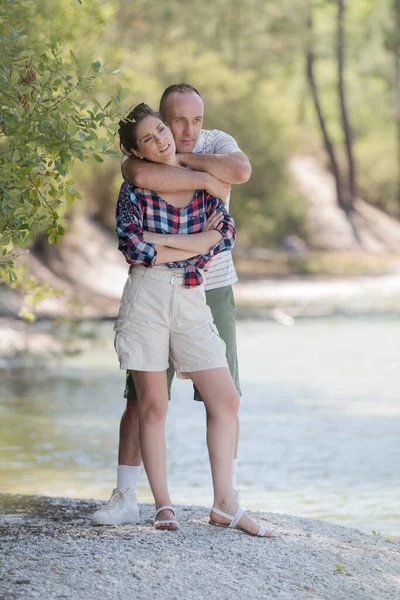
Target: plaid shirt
{"type": "Point", "coordinates": [141, 210]}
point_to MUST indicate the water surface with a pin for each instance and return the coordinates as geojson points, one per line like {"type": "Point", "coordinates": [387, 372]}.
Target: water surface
{"type": "Point", "coordinates": [320, 423]}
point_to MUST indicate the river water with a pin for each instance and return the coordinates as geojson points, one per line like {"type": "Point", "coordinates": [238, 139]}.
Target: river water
{"type": "Point", "coordinates": [320, 423]}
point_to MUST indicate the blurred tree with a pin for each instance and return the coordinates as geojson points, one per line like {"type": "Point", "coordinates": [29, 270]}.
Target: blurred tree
{"type": "Point", "coordinates": [393, 46]}
{"type": "Point", "coordinates": [48, 118]}
{"type": "Point", "coordinates": [345, 182]}
{"type": "Point", "coordinates": [247, 60]}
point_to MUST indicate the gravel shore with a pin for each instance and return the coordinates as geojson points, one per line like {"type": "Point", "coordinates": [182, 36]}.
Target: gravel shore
{"type": "Point", "coordinates": [49, 550]}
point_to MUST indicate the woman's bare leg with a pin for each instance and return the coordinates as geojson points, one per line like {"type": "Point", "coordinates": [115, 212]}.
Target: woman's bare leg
{"type": "Point", "coordinates": [235, 453]}
{"type": "Point", "coordinates": [222, 403]}
{"type": "Point", "coordinates": [151, 388]}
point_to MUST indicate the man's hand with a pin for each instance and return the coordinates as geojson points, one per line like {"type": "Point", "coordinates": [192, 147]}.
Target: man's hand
{"type": "Point", "coordinates": [218, 189]}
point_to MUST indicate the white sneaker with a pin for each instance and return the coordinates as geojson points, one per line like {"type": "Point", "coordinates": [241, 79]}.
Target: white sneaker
{"type": "Point", "coordinates": [121, 508]}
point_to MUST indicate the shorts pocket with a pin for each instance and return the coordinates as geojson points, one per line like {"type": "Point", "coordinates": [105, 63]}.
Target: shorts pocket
{"type": "Point", "coordinates": [198, 293]}
{"type": "Point", "coordinates": [130, 293]}
{"type": "Point", "coordinates": [219, 339]}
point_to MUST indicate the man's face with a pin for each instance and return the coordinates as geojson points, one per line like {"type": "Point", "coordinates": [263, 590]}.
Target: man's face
{"type": "Point", "coordinates": [183, 111]}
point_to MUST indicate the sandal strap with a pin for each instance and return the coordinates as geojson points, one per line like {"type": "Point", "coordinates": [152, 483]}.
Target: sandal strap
{"type": "Point", "coordinates": [165, 507]}
{"type": "Point", "coordinates": [234, 519]}
{"type": "Point", "coordinates": [237, 517]}
{"type": "Point", "coordinates": [261, 531]}
{"type": "Point", "coordinates": [221, 513]}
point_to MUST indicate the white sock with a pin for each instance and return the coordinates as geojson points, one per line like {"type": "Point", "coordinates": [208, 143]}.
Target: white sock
{"type": "Point", "coordinates": [127, 476]}
{"type": "Point", "coordinates": [234, 468]}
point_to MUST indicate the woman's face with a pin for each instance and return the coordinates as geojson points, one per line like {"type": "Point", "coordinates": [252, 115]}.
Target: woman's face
{"type": "Point", "coordinates": [155, 141]}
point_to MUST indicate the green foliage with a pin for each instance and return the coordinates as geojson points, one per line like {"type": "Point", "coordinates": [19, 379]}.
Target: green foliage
{"type": "Point", "coordinates": [48, 118]}
{"type": "Point", "coordinates": [339, 568]}
{"type": "Point", "coordinates": [33, 292]}
{"type": "Point", "coordinates": [247, 59]}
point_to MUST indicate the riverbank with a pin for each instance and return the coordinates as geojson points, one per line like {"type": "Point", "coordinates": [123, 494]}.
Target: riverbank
{"type": "Point", "coordinates": [49, 550]}
{"type": "Point", "coordinates": [269, 298]}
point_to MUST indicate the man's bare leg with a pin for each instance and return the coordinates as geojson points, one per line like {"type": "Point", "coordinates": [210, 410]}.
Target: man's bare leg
{"type": "Point", "coordinates": [122, 506]}
{"type": "Point", "coordinates": [129, 446]}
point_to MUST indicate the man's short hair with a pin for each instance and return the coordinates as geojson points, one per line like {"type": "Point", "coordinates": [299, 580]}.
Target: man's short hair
{"type": "Point", "coordinates": [180, 88]}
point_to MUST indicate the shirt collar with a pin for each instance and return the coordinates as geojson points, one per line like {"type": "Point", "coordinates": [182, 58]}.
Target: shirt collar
{"type": "Point", "coordinates": [199, 147]}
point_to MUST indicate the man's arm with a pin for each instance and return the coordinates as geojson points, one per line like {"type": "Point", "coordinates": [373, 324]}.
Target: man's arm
{"type": "Point", "coordinates": [164, 178]}
{"type": "Point", "coordinates": [232, 167]}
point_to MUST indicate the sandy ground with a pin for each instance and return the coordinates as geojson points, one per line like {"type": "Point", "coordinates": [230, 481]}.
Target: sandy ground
{"type": "Point", "coordinates": [49, 550]}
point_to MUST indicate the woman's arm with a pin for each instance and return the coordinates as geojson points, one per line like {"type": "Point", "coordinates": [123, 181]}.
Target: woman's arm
{"type": "Point", "coordinates": [130, 230]}
{"type": "Point", "coordinates": [196, 242]}
{"type": "Point", "coordinates": [199, 243]}
{"type": "Point", "coordinates": [167, 255]}
{"type": "Point", "coordinates": [209, 242]}
{"type": "Point", "coordinates": [226, 226]}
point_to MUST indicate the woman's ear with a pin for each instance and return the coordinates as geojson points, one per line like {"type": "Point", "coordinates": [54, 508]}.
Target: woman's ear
{"type": "Point", "coordinates": [136, 153]}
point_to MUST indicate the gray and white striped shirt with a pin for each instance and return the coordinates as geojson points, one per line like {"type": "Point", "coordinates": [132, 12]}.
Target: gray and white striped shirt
{"type": "Point", "coordinates": [221, 271]}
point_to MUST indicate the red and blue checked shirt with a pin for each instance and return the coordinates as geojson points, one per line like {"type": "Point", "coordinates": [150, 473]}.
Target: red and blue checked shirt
{"type": "Point", "coordinates": [141, 210]}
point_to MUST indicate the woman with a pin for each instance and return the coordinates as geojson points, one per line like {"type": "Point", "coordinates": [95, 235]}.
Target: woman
{"type": "Point", "coordinates": [169, 242]}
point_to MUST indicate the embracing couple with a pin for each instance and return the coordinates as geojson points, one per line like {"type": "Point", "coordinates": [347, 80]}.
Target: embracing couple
{"type": "Point", "coordinates": [177, 310]}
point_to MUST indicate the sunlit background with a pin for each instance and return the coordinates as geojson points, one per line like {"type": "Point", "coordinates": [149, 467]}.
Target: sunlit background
{"type": "Point", "coordinates": [318, 259]}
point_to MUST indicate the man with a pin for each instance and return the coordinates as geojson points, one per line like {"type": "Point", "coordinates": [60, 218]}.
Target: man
{"type": "Point", "coordinates": [215, 162]}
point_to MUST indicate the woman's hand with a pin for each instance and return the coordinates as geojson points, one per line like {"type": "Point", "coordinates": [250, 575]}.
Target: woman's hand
{"type": "Point", "coordinates": [213, 221]}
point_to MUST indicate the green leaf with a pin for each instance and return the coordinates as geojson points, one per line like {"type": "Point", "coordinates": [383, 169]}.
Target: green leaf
{"type": "Point", "coordinates": [123, 94]}
{"type": "Point", "coordinates": [96, 66]}
{"type": "Point", "coordinates": [98, 158]}
{"type": "Point", "coordinates": [60, 168]}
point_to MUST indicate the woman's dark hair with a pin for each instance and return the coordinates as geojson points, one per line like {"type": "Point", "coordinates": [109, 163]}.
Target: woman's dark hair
{"type": "Point", "coordinates": [128, 126]}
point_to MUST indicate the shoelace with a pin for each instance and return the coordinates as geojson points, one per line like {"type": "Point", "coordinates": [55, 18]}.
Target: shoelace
{"type": "Point", "coordinates": [116, 498]}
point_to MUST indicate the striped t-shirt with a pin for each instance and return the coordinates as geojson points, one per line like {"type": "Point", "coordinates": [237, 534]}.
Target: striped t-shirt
{"type": "Point", "coordinates": [221, 271]}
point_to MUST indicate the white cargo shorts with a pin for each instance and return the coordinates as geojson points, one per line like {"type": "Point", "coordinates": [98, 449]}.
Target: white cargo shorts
{"type": "Point", "coordinates": [159, 318]}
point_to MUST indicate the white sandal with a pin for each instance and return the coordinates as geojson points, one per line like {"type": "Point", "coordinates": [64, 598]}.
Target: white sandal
{"type": "Point", "coordinates": [168, 524]}
{"type": "Point", "coordinates": [234, 520]}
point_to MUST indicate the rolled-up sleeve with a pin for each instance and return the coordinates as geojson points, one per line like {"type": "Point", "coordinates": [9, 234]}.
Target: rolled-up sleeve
{"type": "Point", "coordinates": [130, 229]}
{"type": "Point", "coordinates": [226, 227]}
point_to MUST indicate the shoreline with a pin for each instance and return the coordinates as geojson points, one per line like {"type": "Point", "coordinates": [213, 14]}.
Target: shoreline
{"type": "Point", "coordinates": [50, 550]}
{"type": "Point", "coordinates": [276, 299]}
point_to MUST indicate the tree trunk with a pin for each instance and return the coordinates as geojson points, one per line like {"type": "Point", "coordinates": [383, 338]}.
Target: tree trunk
{"type": "Point", "coordinates": [396, 10]}
{"type": "Point", "coordinates": [310, 74]}
{"type": "Point", "coordinates": [349, 191]}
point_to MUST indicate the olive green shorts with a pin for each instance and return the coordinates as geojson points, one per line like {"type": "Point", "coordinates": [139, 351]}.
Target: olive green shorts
{"type": "Point", "coordinates": [222, 304]}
